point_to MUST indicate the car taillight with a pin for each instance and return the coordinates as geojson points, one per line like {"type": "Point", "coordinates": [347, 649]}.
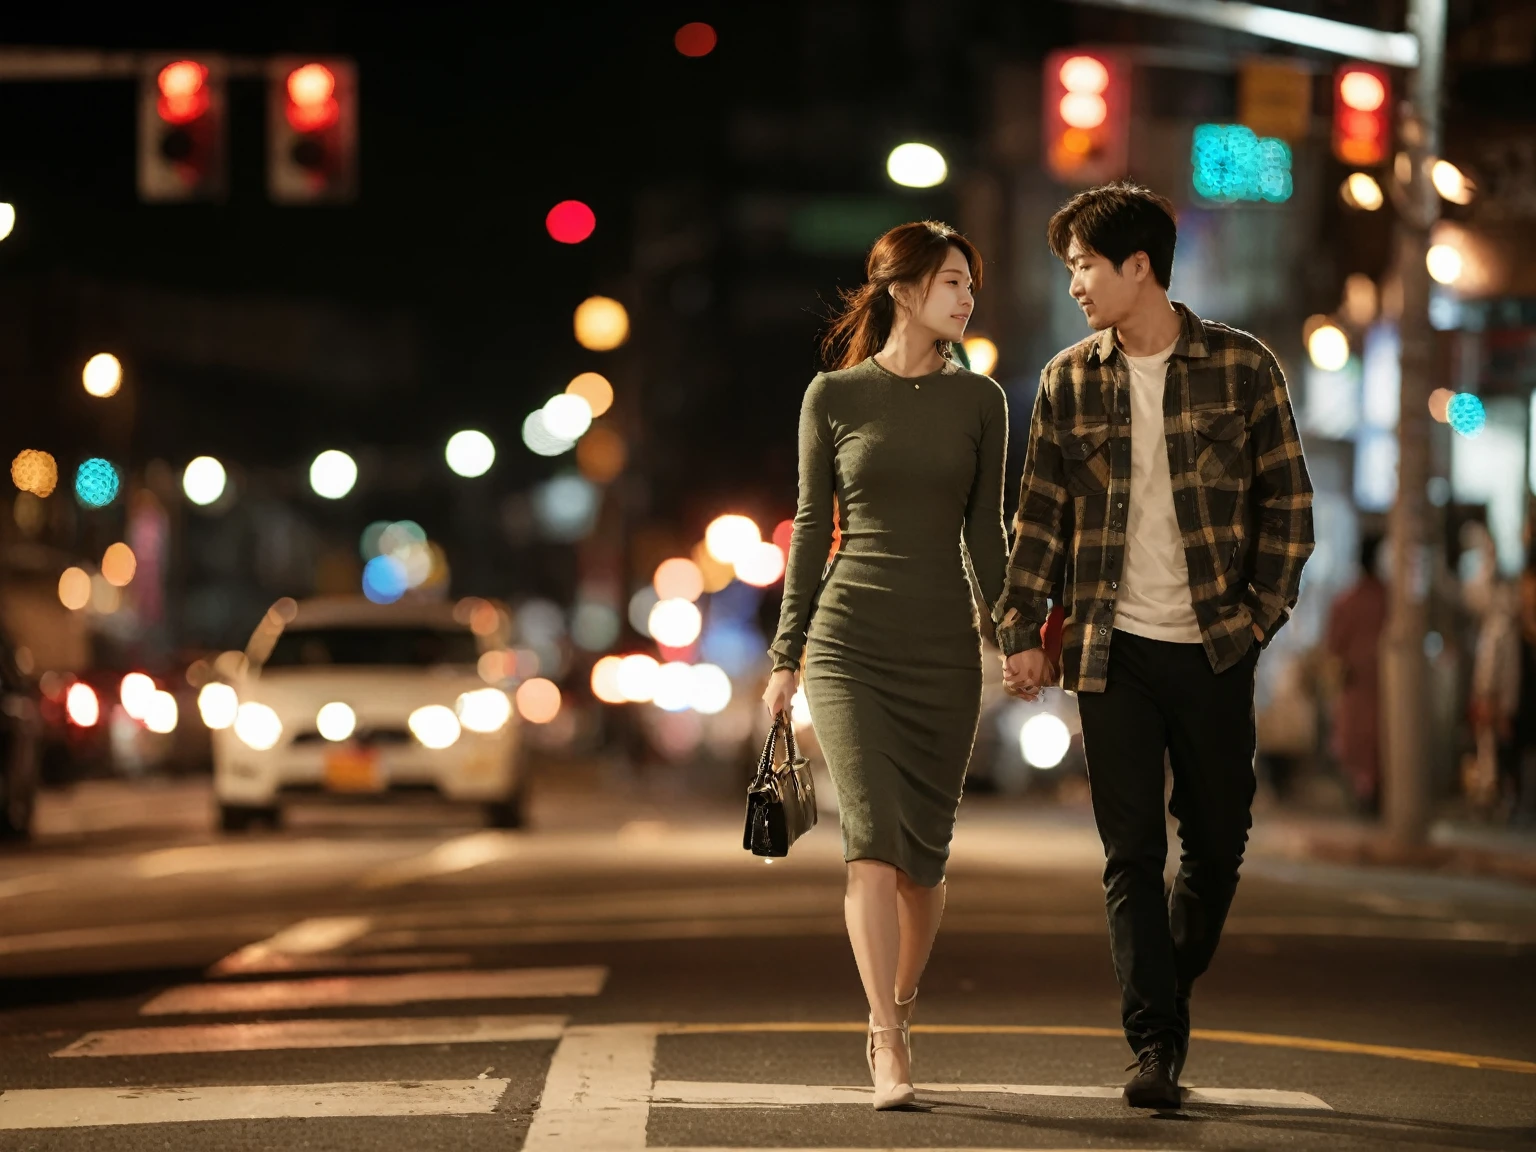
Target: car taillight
{"type": "Point", "coordinates": [82, 706]}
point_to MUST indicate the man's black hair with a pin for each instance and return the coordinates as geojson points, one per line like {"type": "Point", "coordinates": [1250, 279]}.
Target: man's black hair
{"type": "Point", "coordinates": [1118, 220]}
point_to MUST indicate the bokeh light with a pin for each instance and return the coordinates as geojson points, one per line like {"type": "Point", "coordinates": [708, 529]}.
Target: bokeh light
{"type": "Point", "coordinates": [570, 222]}
{"type": "Point", "coordinates": [81, 705]}
{"type": "Point", "coordinates": [601, 324]}
{"type": "Point", "coordinates": [1230, 163]}
{"type": "Point", "coordinates": [675, 623]}
{"type": "Point", "coordinates": [74, 589]}
{"type": "Point", "coordinates": [1083, 109]}
{"type": "Point", "coordinates": [106, 598]}
{"type": "Point", "coordinates": [217, 703]}
{"type": "Point", "coordinates": [1465, 414]}
{"type": "Point", "coordinates": [384, 579]}
{"type": "Point", "coordinates": [203, 480]}
{"type": "Point", "coordinates": [258, 726]}
{"type": "Point", "coordinates": [674, 683]}
{"type": "Point", "coordinates": [678, 579]}
{"type": "Point", "coordinates": [594, 388]}
{"type": "Point", "coordinates": [102, 375]}
{"type": "Point", "coordinates": [1083, 74]}
{"type": "Point", "coordinates": [7, 219]}
{"type": "Point", "coordinates": [709, 689]}
{"type": "Point", "coordinates": [1440, 404]}
{"type": "Point", "coordinates": [134, 691]}
{"type": "Point", "coordinates": [594, 625]}
{"type": "Point", "coordinates": [1044, 740]}
{"type": "Point", "coordinates": [731, 536]}
{"type": "Point", "coordinates": [470, 453]}
{"type": "Point", "coordinates": [640, 605]}
{"type": "Point", "coordinates": [760, 565]}
{"type": "Point", "coordinates": [605, 680]}
{"type": "Point", "coordinates": [717, 574]}
{"type": "Point", "coordinates": [982, 354]}
{"type": "Point", "coordinates": [1362, 91]}
{"type": "Point", "coordinates": [601, 455]}
{"type": "Point", "coordinates": [118, 565]}
{"type": "Point", "coordinates": [96, 483]}
{"type": "Point", "coordinates": [538, 700]}
{"type": "Point", "coordinates": [1444, 263]}
{"type": "Point", "coordinates": [1451, 182]}
{"type": "Point", "coordinates": [566, 507]}
{"type": "Point", "coordinates": [435, 726]}
{"type": "Point", "coordinates": [567, 416]}
{"type": "Point", "coordinates": [161, 713]}
{"type": "Point", "coordinates": [784, 535]}
{"type": "Point", "coordinates": [695, 39]}
{"type": "Point", "coordinates": [1360, 190]}
{"type": "Point", "coordinates": [332, 474]}
{"type": "Point", "coordinates": [1328, 347]}
{"type": "Point", "coordinates": [539, 439]}
{"type": "Point", "coordinates": [916, 166]}
{"type": "Point", "coordinates": [637, 677]}
{"type": "Point", "coordinates": [484, 709]}
{"type": "Point", "coordinates": [336, 721]}
{"type": "Point", "coordinates": [35, 472]}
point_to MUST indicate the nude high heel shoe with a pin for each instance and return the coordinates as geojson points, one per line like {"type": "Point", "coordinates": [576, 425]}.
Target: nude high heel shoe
{"type": "Point", "coordinates": [890, 1095]}
{"type": "Point", "coordinates": [904, 1011]}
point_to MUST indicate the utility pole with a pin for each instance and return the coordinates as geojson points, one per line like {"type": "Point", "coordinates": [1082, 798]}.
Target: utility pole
{"type": "Point", "coordinates": [1406, 776]}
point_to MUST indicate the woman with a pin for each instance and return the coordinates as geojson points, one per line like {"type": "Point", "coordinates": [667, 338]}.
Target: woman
{"type": "Point", "coordinates": [912, 446]}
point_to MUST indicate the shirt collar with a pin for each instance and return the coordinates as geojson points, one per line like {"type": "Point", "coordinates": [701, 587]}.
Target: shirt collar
{"type": "Point", "coordinates": [1190, 344]}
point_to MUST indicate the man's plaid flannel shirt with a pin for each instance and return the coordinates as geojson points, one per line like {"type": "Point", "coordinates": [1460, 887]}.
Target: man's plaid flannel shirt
{"type": "Point", "coordinates": [1240, 488]}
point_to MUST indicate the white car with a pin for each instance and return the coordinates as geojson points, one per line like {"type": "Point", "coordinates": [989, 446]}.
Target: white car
{"type": "Point", "coordinates": [343, 699]}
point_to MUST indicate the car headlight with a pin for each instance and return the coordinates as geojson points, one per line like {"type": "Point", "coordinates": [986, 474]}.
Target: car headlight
{"type": "Point", "coordinates": [336, 721]}
{"type": "Point", "coordinates": [434, 725]}
{"type": "Point", "coordinates": [257, 726]}
{"type": "Point", "coordinates": [484, 710]}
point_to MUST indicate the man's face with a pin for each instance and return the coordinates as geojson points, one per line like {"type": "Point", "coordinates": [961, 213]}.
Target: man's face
{"type": "Point", "coordinates": [1104, 293]}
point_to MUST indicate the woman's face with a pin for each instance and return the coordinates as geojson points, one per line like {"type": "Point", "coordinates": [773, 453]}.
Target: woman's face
{"type": "Point", "coordinates": [946, 309]}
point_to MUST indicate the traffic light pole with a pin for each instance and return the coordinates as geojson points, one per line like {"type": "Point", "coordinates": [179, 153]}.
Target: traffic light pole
{"type": "Point", "coordinates": [1406, 777]}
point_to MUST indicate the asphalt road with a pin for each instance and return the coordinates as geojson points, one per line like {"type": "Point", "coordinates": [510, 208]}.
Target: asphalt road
{"type": "Point", "coordinates": [622, 976]}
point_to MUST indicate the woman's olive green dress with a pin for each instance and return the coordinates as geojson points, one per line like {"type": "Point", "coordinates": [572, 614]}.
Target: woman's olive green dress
{"type": "Point", "coordinates": [889, 624]}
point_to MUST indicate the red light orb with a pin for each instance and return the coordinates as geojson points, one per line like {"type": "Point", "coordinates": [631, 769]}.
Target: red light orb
{"type": "Point", "coordinates": [783, 533]}
{"type": "Point", "coordinates": [313, 117]}
{"type": "Point", "coordinates": [695, 39]}
{"type": "Point", "coordinates": [182, 79]}
{"type": "Point", "coordinates": [311, 84]}
{"type": "Point", "coordinates": [570, 221]}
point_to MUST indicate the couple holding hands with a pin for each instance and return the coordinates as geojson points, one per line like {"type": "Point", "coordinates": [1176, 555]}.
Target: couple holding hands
{"type": "Point", "coordinates": [1164, 508]}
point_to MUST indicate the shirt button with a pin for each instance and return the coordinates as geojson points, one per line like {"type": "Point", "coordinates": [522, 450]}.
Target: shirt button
{"type": "Point", "coordinates": [1102, 630]}
{"type": "Point", "coordinates": [1114, 583]}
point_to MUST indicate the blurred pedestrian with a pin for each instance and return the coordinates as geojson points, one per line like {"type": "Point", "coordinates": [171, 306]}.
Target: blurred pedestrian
{"type": "Point", "coordinates": [1355, 624]}
{"type": "Point", "coordinates": [1504, 694]}
{"type": "Point", "coordinates": [912, 445]}
{"type": "Point", "coordinates": [1165, 501]}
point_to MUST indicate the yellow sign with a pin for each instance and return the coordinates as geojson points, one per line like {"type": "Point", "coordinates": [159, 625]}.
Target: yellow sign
{"type": "Point", "coordinates": [1274, 98]}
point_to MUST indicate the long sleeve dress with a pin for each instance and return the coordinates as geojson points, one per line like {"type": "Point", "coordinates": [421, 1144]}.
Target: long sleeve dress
{"type": "Point", "coordinates": [893, 659]}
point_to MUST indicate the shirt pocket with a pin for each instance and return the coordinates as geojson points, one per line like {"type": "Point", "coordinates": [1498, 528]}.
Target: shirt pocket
{"type": "Point", "coordinates": [1221, 438]}
{"type": "Point", "coordinates": [1085, 457]}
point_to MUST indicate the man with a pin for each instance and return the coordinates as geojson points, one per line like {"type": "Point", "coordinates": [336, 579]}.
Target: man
{"type": "Point", "coordinates": [1355, 624]}
{"type": "Point", "coordinates": [1166, 507]}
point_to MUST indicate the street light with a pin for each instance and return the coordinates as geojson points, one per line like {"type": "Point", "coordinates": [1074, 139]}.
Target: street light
{"type": "Point", "coordinates": [1444, 263]}
{"type": "Point", "coordinates": [470, 453]}
{"type": "Point", "coordinates": [332, 474]}
{"type": "Point", "coordinates": [601, 323]}
{"type": "Point", "coordinates": [1451, 182]}
{"type": "Point", "coordinates": [1360, 190]}
{"type": "Point", "coordinates": [1328, 347]}
{"type": "Point", "coordinates": [916, 166]}
{"type": "Point", "coordinates": [103, 375]}
{"type": "Point", "coordinates": [203, 481]}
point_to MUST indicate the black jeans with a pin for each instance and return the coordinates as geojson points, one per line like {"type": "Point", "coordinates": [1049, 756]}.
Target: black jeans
{"type": "Point", "coordinates": [1163, 696]}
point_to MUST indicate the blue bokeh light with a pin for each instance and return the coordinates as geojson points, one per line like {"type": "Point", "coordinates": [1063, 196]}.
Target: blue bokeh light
{"type": "Point", "coordinates": [1231, 163]}
{"type": "Point", "coordinates": [384, 580]}
{"type": "Point", "coordinates": [96, 483]}
{"type": "Point", "coordinates": [1465, 414]}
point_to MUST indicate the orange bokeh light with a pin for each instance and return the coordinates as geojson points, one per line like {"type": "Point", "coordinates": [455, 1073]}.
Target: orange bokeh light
{"type": "Point", "coordinates": [538, 700]}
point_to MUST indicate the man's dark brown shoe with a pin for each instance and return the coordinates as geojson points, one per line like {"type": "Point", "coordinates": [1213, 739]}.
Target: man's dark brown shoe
{"type": "Point", "coordinates": [1156, 1083]}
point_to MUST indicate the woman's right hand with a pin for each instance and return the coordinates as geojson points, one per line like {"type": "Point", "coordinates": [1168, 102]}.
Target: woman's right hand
{"type": "Point", "coordinates": [780, 690]}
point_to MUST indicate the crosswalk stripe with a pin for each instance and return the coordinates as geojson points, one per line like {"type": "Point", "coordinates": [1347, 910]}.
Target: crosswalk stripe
{"type": "Point", "coordinates": [310, 937]}
{"type": "Point", "coordinates": [698, 1094]}
{"type": "Point", "coordinates": [597, 1092]}
{"type": "Point", "coordinates": [305, 1034]}
{"type": "Point", "coordinates": [95, 1107]}
{"type": "Point", "coordinates": [406, 988]}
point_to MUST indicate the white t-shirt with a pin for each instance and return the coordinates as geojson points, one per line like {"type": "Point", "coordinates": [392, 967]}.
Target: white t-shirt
{"type": "Point", "coordinates": [1154, 598]}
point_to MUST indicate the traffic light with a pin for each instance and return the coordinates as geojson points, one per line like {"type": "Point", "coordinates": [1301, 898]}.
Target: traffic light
{"type": "Point", "coordinates": [181, 129]}
{"type": "Point", "coordinates": [1087, 116]}
{"type": "Point", "coordinates": [312, 131]}
{"type": "Point", "coordinates": [1362, 112]}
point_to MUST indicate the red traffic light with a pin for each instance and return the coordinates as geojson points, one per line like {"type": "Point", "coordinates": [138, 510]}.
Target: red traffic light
{"type": "Point", "coordinates": [183, 92]}
{"type": "Point", "coordinates": [1085, 109]}
{"type": "Point", "coordinates": [695, 39]}
{"type": "Point", "coordinates": [311, 98]}
{"type": "Point", "coordinates": [570, 221]}
{"type": "Point", "coordinates": [1362, 105]}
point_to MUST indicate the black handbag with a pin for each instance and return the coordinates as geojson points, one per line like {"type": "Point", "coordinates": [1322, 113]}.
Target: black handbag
{"type": "Point", "coordinates": [781, 802]}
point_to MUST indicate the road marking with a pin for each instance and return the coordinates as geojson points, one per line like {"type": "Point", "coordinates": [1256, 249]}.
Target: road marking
{"type": "Point", "coordinates": [120, 935]}
{"type": "Point", "coordinates": [597, 1093]}
{"type": "Point", "coordinates": [257, 964]}
{"type": "Point", "coordinates": [457, 855]}
{"type": "Point", "coordinates": [1258, 1039]}
{"type": "Point", "coordinates": [406, 988]}
{"type": "Point", "coordinates": [286, 1034]}
{"type": "Point", "coordinates": [306, 938]}
{"type": "Point", "coordinates": [694, 1094]}
{"type": "Point", "coordinates": [95, 1107]}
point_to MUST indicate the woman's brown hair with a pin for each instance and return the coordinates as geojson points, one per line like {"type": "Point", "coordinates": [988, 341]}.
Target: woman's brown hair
{"type": "Point", "coordinates": [907, 254]}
